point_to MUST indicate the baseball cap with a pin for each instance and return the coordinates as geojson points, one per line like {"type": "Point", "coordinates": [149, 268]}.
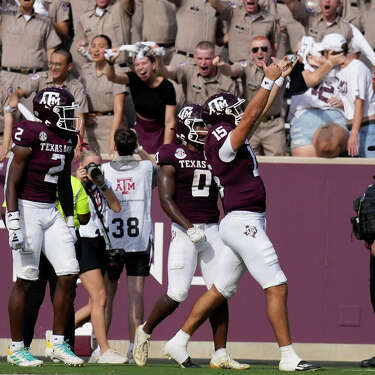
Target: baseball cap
{"type": "Point", "coordinates": [334, 42]}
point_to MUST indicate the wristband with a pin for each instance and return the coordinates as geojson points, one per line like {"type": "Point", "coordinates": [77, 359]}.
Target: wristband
{"type": "Point", "coordinates": [70, 221]}
{"type": "Point", "coordinates": [267, 83]}
{"type": "Point", "coordinates": [9, 109]}
{"type": "Point", "coordinates": [280, 81]}
{"type": "Point", "coordinates": [138, 149]}
{"type": "Point", "coordinates": [13, 215]}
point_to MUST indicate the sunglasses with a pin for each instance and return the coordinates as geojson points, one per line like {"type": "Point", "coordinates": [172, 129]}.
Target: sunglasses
{"type": "Point", "coordinates": [256, 49]}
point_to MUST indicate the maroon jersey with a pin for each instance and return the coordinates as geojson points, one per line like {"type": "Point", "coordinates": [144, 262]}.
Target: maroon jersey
{"type": "Point", "coordinates": [195, 189]}
{"type": "Point", "coordinates": [50, 154]}
{"type": "Point", "coordinates": [239, 183]}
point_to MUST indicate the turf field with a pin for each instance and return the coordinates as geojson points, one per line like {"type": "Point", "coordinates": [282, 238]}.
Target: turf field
{"type": "Point", "coordinates": [168, 368]}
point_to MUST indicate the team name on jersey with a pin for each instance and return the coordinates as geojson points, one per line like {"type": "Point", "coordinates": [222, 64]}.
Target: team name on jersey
{"type": "Point", "coordinates": [45, 146]}
{"type": "Point", "coordinates": [125, 185]}
{"type": "Point", "coordinates": [193, 164]}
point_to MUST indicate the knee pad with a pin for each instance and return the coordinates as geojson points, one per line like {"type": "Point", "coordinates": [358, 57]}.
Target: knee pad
{"type": "Point", "coordinates": [29, 273]}
{"type": "Point", "coordinates": [178, 295]}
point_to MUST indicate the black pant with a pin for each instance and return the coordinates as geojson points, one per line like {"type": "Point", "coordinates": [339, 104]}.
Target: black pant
{"type": "Point", "coordinates": [35, 299]}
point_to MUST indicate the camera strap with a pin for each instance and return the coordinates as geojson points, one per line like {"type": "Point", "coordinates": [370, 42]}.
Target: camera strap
{"type": "Point", "coordinates": [99, 214]}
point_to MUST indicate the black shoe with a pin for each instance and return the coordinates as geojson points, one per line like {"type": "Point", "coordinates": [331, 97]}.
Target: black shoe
{"type": "Point", "coordinates": [189, 364]}
{"type": "Point", "coordinates": [368, 362]}
{"type": "Point", "coordinates": [306, 366]}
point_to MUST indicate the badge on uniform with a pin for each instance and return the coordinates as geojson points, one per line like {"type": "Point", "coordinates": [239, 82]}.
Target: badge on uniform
{"type": "Point", "coordinates": [35, 76]}
{"type": "Point", "coordinates": [180, 153]}
{"type": "Point", "coordinates": [43, 136]}
{"type": "Point", "coordinates": [65, 6]}
{"type": "Point", "coordinates": [250, 230]}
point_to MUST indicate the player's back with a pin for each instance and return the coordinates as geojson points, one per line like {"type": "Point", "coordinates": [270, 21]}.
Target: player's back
{"type": "Point", "coordinates": [240, 185]}
{"type": "Point", "coordinates": [50, 152]}
{"type": "Point", "coordinates": [195, 189]}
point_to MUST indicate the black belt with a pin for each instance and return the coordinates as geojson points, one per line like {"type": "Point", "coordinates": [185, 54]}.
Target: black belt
{"type": "Point", "coordinates": [22, 70]}
{"type": "Point", "coordinates": [166, 45]}
{"type": "Point", "coordinates": [123, 65]}
{"type": "Point", "coordinates": [269, 118]}
{"type": "Point", "coordinates": [108, 113]}
{"type": "Point", "coordinates": [184, 53]}
{"type": "Point", "coordinates": [363, 123]}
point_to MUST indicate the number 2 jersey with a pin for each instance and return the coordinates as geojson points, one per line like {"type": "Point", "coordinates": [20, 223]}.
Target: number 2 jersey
{"type": "Point", "coordinates": [50, 153]}
{"type": "Point", "coordinates": [132, 182]}
{"type": "Point", "coordinates": [195, 190]}
{"type": "Point", "coordinates": [240, 185]}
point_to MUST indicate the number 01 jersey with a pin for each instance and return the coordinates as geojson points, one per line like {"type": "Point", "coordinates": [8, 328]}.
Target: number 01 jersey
{"type": "Point", "coordinates": [131, 228]}
{"type": "Point", "coordinates": [50, 154]}
{"type": "Point", "coordinates": [195, 190]}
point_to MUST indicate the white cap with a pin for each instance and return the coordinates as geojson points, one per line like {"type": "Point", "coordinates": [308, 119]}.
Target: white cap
{"type": "Point", "coordinates": [334, 42]}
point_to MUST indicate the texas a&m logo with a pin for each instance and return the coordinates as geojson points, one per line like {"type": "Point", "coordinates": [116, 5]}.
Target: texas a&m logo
{"type": "Point", "coordinates": [50, 98]}
{"type": "Point", "coordinates": [125, 185]}
{"type": "Point", "coordinates": [185, 112]}
{"type": "Point", "coordinates": [217, 105]}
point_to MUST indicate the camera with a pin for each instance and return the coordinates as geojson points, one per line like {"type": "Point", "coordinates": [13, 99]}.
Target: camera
{"type": "Point", "coordinates": [291, 58]}
{"type": "Point", "coordinates": [93, 170]}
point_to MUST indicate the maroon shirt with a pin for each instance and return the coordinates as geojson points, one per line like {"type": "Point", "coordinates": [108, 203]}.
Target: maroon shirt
{"type": "Point", "coordinates": [50, 154]}
{"type": "Point", "coordinates": [240, 186]}
{"type": "Point", "coordinates": [195, 189]}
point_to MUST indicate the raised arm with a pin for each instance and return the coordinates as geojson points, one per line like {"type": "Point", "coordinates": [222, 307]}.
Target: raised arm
{"type": "Point", "coordinates": [234, 70]}
{"type": "Point", "coordinates": [166, 71]}
{"type": "Point", "coordinates": [122, 79]}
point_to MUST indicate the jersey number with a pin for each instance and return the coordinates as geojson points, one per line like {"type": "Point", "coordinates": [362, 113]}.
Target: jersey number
{"type": "Point", "coordinates": [18, 133]}
{"type": "Point", "coordinates": [204, 190]}
{"type": "Point", "coordinates": [51, 176]}
{"type": "Point", "coordinates": [132, 223]}
{"type": "Point", "coordinates": [219, 133]}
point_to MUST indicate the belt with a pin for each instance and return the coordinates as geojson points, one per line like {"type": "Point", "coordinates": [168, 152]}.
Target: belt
{"type": "Point", "coordinates": [123, 65]}
{"type": "Point", "coordinates": [184, 53]}
{"type": "Point", "coordinates": [269, 118]}
{"type": "Point", "coordinates": [22, 70]}
{"type": "Point", "coordinates": [108, 113]}
{"type": "Point", "coordinates": [363, 123]}
{"type": "Point", "coordinates": [166, 45]}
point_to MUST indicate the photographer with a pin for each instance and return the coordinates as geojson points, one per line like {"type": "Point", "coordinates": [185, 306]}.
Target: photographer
{"type": "Point", "coordinates": [92, 257]}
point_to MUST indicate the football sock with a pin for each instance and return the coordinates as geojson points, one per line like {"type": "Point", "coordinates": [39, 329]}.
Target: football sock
{"type": "Point", "coordinates": [16, 345]}
{"type": "Point", "coordinates": [57, 339]}
{"type": "Point", "coordinates": [220, 351]}
{"type": "Point", "coordinates": [288, 352]}
{"type": "Point", "coordinates": [130, 349]}
{"type": "Point", "coordinates": [181, 338]}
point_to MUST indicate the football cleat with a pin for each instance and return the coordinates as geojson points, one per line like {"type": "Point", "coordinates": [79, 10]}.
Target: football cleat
{"type": "Point", "coordinates": [368, 362]}
{"type": "Point", "coordinates": [48, 352]}
{"type": "Point", "coordinates": [189, 364]}
{"type": "Point", "coordinates": [225, 361]}
{"type": "Point", "coordinates": [179, 354]}
{"type": "Point", "coordinates": [110, 356]}
{"type": "Point", "coordinates": [141, 345]}
{"type": "Point", "coordinates": [63, 353]}
{"type": "Point", "coordinates": [291, 365]}
{"type": "Point", "coordinates": [22, 357]}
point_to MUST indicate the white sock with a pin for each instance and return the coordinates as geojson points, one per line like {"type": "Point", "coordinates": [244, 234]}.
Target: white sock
{"type": "Point", "coordinates": [220, 351]}
{"type": "Point", "coordinates": [288, 352]}
{"type": "Point", "coordinates": [181, 338]}
{"type": "Point", "coordinates": [16, 345]}
{"type": "Point", "coordinates": [57, 339]}
{"type": "Point", "coordinates": [130, 349]}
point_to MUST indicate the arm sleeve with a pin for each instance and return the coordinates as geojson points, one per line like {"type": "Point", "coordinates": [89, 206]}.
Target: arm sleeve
{"type": "Point", "coordinates": [359, 84]}
{"type": "Point", "coordinates": [226, 152]}
{"type": "Point", "coordinates": [52, 39]}
{"type": "Point", "coordinates": [170, 94]}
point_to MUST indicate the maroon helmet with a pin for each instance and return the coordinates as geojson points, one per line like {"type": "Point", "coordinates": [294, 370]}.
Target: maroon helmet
{"type": "Point", "coordinates": [55, 107]}
{"type": "Point", "coordinates": [223, 107]}
{"type": "Point", "coordinates": [188, 120]}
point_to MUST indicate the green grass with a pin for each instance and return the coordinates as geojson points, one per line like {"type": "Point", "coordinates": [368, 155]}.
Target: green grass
{"type": "Point", "coordinates": [169, 368]}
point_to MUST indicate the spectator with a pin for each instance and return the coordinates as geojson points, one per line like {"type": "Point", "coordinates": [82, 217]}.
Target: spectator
{"type": "Point", "coordinates": [92, 257]}
{"type": "Point", "coordinates": [27, 39]}
{"type": "Point", "coordinates": [108, 17]}
{"type": "Point", "coordinates": [314, 101]}
{"type": "Point", "coordinates": [330, 141]}
{"type": "Point", "coordinates": [244, 23]}
{"type": "Point", "coordinates": [7, 120]}
{"type": "Point", "coordinates": [156, 20]}
{"type": "Point", "coordinates": [59, 13]}
{"type": "Point", "coordinates": [154, 100]}
{"type": "Point", "coordinates": [269, 137]}
{"type": "Point", "coordinates": [201, 79]}
{"type": "Point", "coordinates": [58, 75]}
{"type": "Point", "coordinates": [105, 99]}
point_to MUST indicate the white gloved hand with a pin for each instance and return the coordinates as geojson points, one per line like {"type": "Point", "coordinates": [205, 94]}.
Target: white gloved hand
{"type": "Point", "coordinates": [16, 237]}
{"type": "Point", "coordinates": [72, 228]}
{"type": "Point", "coordinates": [196, 235]}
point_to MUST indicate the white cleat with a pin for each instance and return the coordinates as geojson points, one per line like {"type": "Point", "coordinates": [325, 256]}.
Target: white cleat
{"type": "Point", "coordinates": [226, 362]}
{"type": "Point", "coordinates": [63, 353]}
{"type": "Point", "coordinates": [141, 345]}
{"type": "Point", "coordinates": [110, 356]}
{"type": "Point", "coordinates": [179, 354]}
{"type": "Point", "coordinates": [48, 352]}
{"type": "Point", "coordinates": [94, 358]}
{"type": "Point", "coordinates": [22, 357]}
{"type": "Point", "coordinates": [297, 365]}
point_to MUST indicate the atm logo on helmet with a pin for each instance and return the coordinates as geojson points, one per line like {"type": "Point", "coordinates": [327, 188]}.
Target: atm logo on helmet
{"type": "Point", "coordinates": [50, 98]}
{"type": "Point", "coordinates": [185, 112]}
{"type": "Point", "coordinates": [217, 105]}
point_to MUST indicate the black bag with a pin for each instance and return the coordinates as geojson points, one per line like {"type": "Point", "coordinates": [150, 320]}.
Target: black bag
{"type": "Point", "coordinates": [364, 222]}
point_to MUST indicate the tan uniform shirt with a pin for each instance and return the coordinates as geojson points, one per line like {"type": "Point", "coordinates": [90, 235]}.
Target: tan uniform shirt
{"type": "Point", "coordinates": [25, 43]}
{"type": "Point", "coordinates": [78, 8]}
{"type": "Point", "coordinates": [197, 88]}
{"type": "Point", "coordinates": [351, 12]}
{"type": "Point", "coordinates": [196, 21]}
{"type": "Point", "coordinates": [58, 10]}
{"type": "Point", "coordinates": [252, 79]}
{"type": "Point", "coordinates": [100, 92]}
{"type": "Point", "coordinates": [42, 80]}
{"type": "Point", "coordinates": [115, 23]}
{"type": "Point", "coordinates": [243, 27]}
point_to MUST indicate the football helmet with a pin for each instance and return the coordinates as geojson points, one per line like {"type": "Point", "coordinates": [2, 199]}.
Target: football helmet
{"type": "Point", "coordinates": [223, 107]}
{"type": "Point", "coordinates": [190, 127]}
{"type": "Point", "coordinates": [55, 107]}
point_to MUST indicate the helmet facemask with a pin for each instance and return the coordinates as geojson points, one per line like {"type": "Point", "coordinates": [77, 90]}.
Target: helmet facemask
{"type": "Point", "coordinates": [67, 121]}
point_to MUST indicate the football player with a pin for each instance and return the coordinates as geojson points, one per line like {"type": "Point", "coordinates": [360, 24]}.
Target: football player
{"type": "Point", "coordinates": [39, 165]}
{"type": "Point", "coordinates": [188, 195]}
{"type": "Point", "coordinates": [235, 168]}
